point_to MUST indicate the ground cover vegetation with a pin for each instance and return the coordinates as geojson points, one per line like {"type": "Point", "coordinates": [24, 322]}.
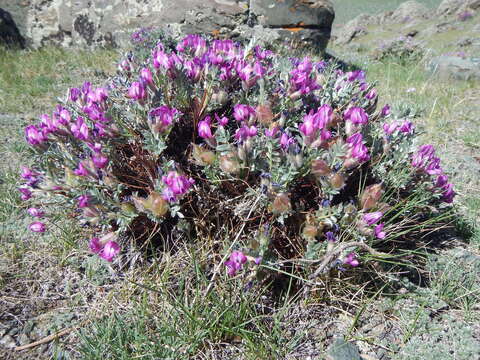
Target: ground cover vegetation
{"type": "Point", "coordinates": [213, 246]}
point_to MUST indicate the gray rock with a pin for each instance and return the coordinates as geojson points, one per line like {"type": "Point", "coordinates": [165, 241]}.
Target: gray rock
{"type": "Point", "coordinates": [86, 23]}
{"type": "Point", "coordinates": [23, 339]}
{"type": "Point", "coordinates": [452, 7]}
{"type": "Point", "coordinates": [455, 67]}
{"type": "Point", "coordinates": [343, 350]}
{"type": "Point", "coordinates": [293, 13]}
{"type": "Point", "coordinates": [408, 11]}
{"type": "Point", "coordinates": [8, 342]}
{"type": "Point", "coordinates": [354, 28]}
{"type": "Point", "coordinates": [9, 33]}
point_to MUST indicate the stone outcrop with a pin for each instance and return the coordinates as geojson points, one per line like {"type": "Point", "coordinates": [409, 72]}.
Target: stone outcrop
{"type": "Point", "coordinates": [87, 23]}
{"type": "Point", "coordinates": [453, 7]}
{"type": "Point", "coordinates": [454, 67]}
{"type": "Point", "coordinates": [9, 34]}
{"type": "Point", "coordinates": [409, 10]}
{"type": "Point", "coordinates": [354, 28]}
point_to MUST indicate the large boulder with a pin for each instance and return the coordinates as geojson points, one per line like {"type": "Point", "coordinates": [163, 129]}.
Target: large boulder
{"type": "Point", "coordinates": [301, 20]}
{"type": "Point", "coordinates": [87, 23]}
{"type": "Point", "coordinates": [409, 10]}
{"type": "Point", "coordinates": [9, 34]}
{"type": "Point", "coordinates": [354, 28]}
{"type": "Point", "coordinates": [452, 7]}
{"type": "Point", "coordinates": [453, 67]}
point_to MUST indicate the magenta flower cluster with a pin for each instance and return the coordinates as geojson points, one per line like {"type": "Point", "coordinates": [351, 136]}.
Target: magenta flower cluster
{"type": "Point", "coordinates": [425, 161]}
{"type": "Point", "coordinates": [211, 116]}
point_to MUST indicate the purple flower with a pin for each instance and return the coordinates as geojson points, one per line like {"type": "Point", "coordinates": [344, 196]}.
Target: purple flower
{"type": "Point", "coordinates": [194, 70]}
{"type": "Point", "coordinates": [372, 218]}
{"type": "Point", "coordinates": [222, 121]}
{"type": "Point", "coordinates": [372, 94]}
{"type": "Point", "coordinates": [356, 116]}
{"type": "Point", "coordinates": [99, 160]}
{"type": "Point", "coordinates": [95, 245]}
{"type": "Point", "coordinates": [204, 130]}
{"type": "Point", "coordinates": [64, 116]}
{"type": "Point", "coordinates": [48, 124]}
{"type": "Point", "coordinates": [242, 112]}
{"type": "Point", "coordinates": [83, 201]}
{"type": "Point", "coordinates": [101, 94]}
{"type": "Point", "coordinates": [73, 94]}
{"type": "Point", "coordinates": [385, 110]}
{"type": "Point", "coordinates": [176, 185]}
{"type": "Point", "coordinates": [448, 193]}
{"type": "Point", "coordinates": [286, 141]}
{"type": "Point", "coordinates": [26, 193]}
{"type": "Point", "coordinates": [425, 160]}
{"type": "Point", "coordinates": [356, 75]}
{"type": "Point", "coordinates": [272, 132]}
{"type": "Point", "coordinates": [358, 152]}
{"type": "Point", "coordinates": [80, 129]}
{"type": "Point", "coordinates": [35, 212]}
{"type": "Point", "coordinates": [109, 251]}
{"type": "Point", "coordinates": [162, 117]}
{"type": "Point", "coordinates": [81, 170]}
{"type": "Point", "coordinates": [146, 76]}
{"type": "Point", "coordinates": [137, 91]}
{"type": "Point", "coordinates": [34, 135]}
{"type": "Point", "coordinates": [330, 236]}
{"type": "Point", "coordinates": [124, 66]}
{"type": "Point", "coordinates": [379, 233]}
{"type": "Point", "coordinates": [406, 127]}
{"type": "Point", "coordinates": [245, 132]}
{"type": "Point", "coordinates": [28, 174]}
{"type": "Point", "coordinates": [442, 180]}
{"type": "Point", "coordinates": [37, 226]}
{"type": "Point", "coordinates": [235, 262]}
{"type": "Point", "coordinates": [309, 125]}
{"type": "Point", "coordinates": [161, 59]}
{"type": "Point", "coordinates": [351, 260]}
{"type": "Point", "coordinates": [390, 128]}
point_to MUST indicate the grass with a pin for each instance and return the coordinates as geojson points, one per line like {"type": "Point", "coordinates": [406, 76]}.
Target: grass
{"type": "Point", "coordinates": [34, 79]}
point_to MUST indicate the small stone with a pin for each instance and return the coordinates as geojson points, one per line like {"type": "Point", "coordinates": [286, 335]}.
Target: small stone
{"type": "Point", "coordinates": [14, 331]}
{"type": "Point", "coordinates": [8, 342]}
{"type": "Point", "coordinates": [23, 339]}
{"type": "Point", "coordinates": [343, 350]}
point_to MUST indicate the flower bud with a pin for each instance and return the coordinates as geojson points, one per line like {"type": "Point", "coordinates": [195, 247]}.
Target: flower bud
{"type": "Point", "coordinates": [229, 164]}
{"type": "Point", "coordinates": [202, 156]}
{"type": "Point", "coordinates": [281, 204]}
{"type": "Point", "coordinates": [320, 168]}
{"type": "Point", "coordinates": [220, 97]}
{"type": "Point", "coordinates": [370, 196]}
{"type": "Point", "coordinates": [264, 114]}
{"type": "Point", "coordinates": [157, 205]}
{"type": "Point", "coordinates": [128, 208]}
{"type": "Point", "coordinates": [309, 231]}
{"type": "Point", "coordinates": [337, 180]}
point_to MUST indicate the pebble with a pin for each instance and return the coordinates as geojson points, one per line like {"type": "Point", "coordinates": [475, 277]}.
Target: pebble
{"type": "Point", "coordinates": [8, 342]}
{"type": "Point", "coordinates": [343, 350]}
{"type": "Point", "coordinates": [23, 339]}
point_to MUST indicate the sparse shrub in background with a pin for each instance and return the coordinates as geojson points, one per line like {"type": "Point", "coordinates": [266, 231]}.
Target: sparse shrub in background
{"type": "Point", "coordinates": [273, 158]}
{"type": "Point", "coordinates": [465, 15]}
{"type": "Point", "coordinates": [402, 49]}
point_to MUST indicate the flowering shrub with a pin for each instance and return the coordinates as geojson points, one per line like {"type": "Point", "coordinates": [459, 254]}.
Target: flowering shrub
{"type": "Point", "coordinates": [404, 49]}
{"type": "Point", "coordinates": [211, 139]}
